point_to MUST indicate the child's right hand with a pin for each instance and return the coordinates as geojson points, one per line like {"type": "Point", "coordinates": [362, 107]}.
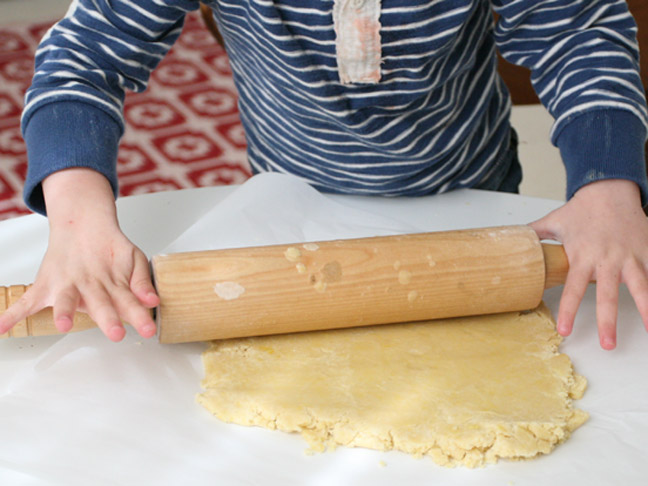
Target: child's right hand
{"type": "Point", "coordinates": [90, 265]}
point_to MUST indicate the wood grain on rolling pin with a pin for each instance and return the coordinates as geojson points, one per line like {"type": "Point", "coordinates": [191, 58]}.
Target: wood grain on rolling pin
{"type": "Point", "coordinates": [344, 283]}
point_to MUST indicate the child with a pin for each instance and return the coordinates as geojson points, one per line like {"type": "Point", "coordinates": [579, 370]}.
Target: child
{"type": "Point", "coordinates": [399, 97]}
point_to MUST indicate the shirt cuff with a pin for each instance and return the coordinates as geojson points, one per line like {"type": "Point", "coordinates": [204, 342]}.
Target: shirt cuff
{"type": "Point", "coordinates": [604, 144]}
{"type": "Point", "coordinates": [68, 134]}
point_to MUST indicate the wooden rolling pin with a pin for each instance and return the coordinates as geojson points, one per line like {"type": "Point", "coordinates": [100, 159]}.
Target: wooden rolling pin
{"type": "Point", "coordinates": [276, 289]}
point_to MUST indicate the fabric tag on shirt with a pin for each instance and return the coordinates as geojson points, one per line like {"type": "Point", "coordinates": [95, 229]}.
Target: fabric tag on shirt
{"type": "Point", "coordinates": [358, 50]}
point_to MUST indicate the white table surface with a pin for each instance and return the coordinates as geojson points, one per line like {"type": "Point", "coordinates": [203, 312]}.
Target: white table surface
{"type": "Point", "coordinates": [81, 410]}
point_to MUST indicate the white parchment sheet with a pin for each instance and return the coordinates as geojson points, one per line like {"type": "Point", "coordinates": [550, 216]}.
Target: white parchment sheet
{"type": "Point", "coordinates": [273, 209]}
{"type": "Point", "coordinates": [80, 410]}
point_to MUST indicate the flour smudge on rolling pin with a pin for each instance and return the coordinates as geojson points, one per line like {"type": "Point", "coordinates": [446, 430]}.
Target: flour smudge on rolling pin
{"type": "Point", "coordinates": [292, 254]}
{"type": "Point", "coordinates": [229, 290]}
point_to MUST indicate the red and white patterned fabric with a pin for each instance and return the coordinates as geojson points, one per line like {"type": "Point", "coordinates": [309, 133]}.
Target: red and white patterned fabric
{"type": "Point", "coordinates": [183, 131]}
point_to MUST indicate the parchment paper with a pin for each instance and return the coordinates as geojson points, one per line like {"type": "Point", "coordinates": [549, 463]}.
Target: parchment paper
{"type": "Point", "coordinates": [275, 208]}
{"type": "Point", "coordinates": [81, 410]}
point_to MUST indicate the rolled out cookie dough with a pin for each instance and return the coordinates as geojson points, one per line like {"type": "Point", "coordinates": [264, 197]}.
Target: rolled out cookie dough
{"type": "Point", "coordinates": [463, 391]}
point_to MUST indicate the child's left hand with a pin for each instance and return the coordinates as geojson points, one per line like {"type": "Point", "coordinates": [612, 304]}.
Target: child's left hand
{"type": "Point", "coordinates": [605, 234]}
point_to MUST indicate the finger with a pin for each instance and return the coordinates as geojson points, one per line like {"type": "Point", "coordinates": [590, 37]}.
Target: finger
{"type": "Point", "coordinates": [636, 279]}
{"type": "Point", "coordinates": [141, 284]}
{"type": "Point", "coordinates": [133, 312]}
{"type": "Point", "coordinates": [100, 308]}
{"type": "Point", "coordinates": [607, 301]}
{"type": "Point", "coordinates": [18, 311]}
{"type": "Point", "coordinates": [572, 295]}
{"type": "Point", "coordinates": [544, 229]}
{"type": "Point", "coordinates": [64, 308]}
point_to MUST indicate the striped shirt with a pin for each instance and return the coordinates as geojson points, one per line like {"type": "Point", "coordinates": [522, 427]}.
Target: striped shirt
{"type": "Point", "coordinates": [436, 119]}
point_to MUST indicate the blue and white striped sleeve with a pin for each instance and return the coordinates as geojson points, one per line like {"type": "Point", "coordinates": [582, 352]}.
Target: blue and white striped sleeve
{"type": "Point", "coordinates": [84, 64]}
{"type": "Point", "coordinates": [584, 63]}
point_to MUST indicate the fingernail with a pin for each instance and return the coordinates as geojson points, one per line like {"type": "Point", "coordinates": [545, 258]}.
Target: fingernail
{"type": "Point", "coordinates": [562, 329]}
{"type": "Point", "coordinates": [64, 323]}
{"type": "Point", "coordinates": [116, 333]}
{"type": "Point", "coordinates": [148, 330]}
{"type": "Point", "coordinates": [609, 344]}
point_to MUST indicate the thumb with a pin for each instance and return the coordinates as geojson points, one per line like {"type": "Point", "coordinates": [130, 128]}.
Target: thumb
{"type": "Point", "coordinates": [545, 228]}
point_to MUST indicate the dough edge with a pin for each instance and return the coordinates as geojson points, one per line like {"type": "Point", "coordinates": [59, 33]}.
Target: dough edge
{"type": "Point", "coordinates": [497, 440]}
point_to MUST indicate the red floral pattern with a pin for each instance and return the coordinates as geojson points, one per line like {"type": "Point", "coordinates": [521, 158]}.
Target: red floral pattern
{"type": "Point", "coordinates": [183, 131]}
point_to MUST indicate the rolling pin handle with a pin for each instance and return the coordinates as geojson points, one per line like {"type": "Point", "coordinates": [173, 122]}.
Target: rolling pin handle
{"type": "Point", "coordinates": [556, 265]}
{"type": "Point", "coordinates": [39, 324]}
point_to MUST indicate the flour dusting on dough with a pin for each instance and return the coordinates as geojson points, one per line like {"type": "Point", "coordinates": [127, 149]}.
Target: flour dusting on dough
{"type": "Point", "coordinates": [445, 389]}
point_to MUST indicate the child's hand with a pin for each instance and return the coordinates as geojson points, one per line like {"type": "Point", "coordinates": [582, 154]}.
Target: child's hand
{"type": "Point", "coordinates": [89, 265]}
{"type": "Point", "coordinates": [605, 234]}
